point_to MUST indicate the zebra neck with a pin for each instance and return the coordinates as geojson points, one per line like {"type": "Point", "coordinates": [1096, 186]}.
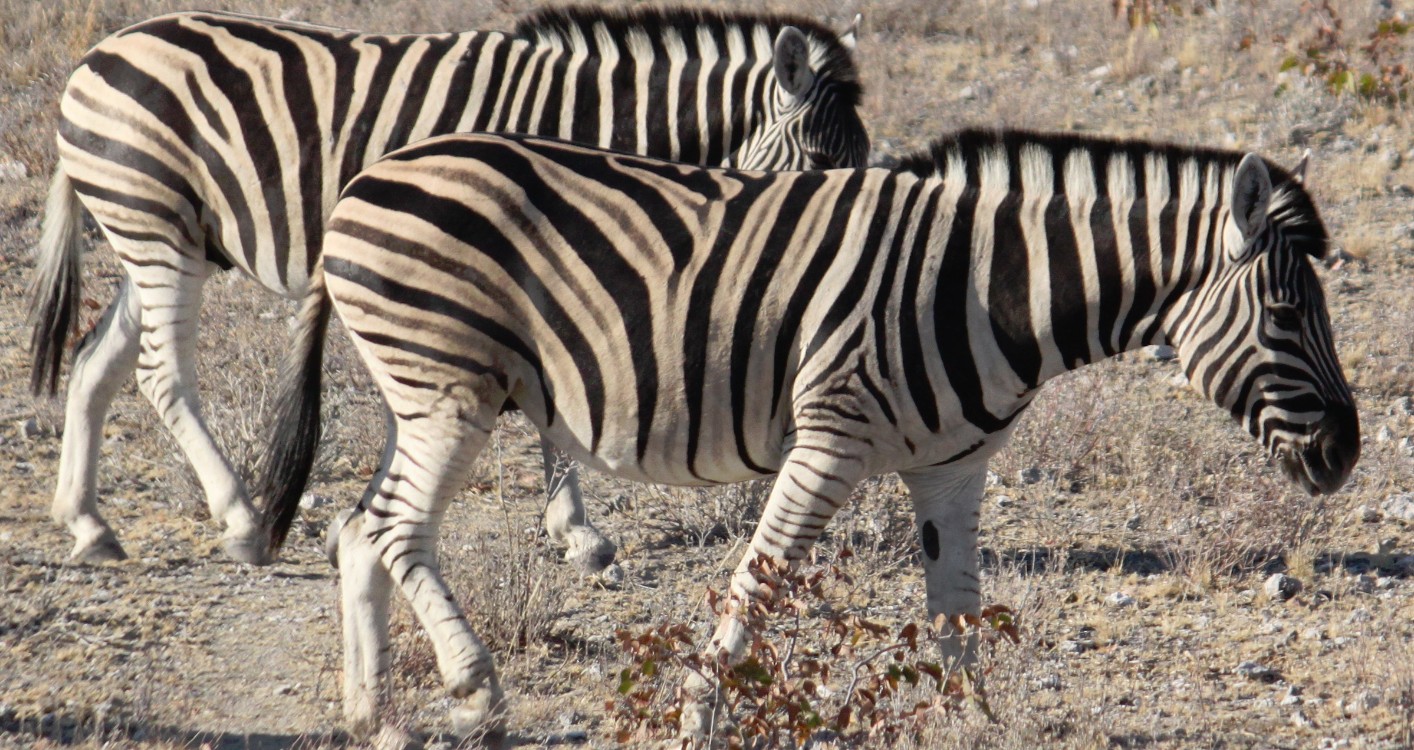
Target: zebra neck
{"type": "Point", "coordinates": [1054, 281]}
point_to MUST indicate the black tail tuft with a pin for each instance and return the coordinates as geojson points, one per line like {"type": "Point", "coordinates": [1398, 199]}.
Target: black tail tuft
{"type": "Point", "coordinates": [289, 455]}
{"type": "Point", "coordinates": [54, 292]}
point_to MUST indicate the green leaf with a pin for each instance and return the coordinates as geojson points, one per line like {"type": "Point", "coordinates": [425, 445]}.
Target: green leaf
{"type": "Point", "coordinates": [626, 681]}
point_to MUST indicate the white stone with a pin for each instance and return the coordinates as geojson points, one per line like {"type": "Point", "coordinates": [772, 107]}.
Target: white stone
{"type": "Point", "coordinates": [1119, 599]}
{"type": "Point", "coordinates": [1280, 586]}
{"type": "Point", "coordinates": [1399, 506]}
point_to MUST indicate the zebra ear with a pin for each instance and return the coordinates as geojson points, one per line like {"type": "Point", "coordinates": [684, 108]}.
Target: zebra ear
{"type": "Point", "coordinates": [1298, 172]}
{"type": "Point", "coordinates": [1251, 195]}
{"type": "Point", "coordinates": [792, 62]}
{"type": "Point", "coordinates": [850, 37]}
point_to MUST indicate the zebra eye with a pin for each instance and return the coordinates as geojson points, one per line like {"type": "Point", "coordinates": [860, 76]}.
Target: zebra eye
{"type": "Point", "coordinates": [819, 160]}
{"type": "Point", "coordinates": [1285, 316]}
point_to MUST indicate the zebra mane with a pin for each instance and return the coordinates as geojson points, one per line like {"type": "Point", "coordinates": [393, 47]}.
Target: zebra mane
{"type": "Point", "coordinates": [1292, 210]}
{"type": "Point", "coordinates": [573, 24]}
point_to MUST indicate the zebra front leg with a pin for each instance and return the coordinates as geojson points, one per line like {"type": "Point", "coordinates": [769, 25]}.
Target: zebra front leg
{"type": "Point", "coordinates": [811, 488]}
{"type": "Point", "coordinates": [106, 357]}
{"type": "Point", "coordinates": [565, 517]}
{"type": "Point", "coordinates": [947, 504]}
{"type": "Point", "coordinates": [170, 296]}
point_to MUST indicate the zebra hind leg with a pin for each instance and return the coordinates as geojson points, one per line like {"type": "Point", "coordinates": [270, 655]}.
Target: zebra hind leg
{"type": "Point", "coordinates": [106, 357]}
{"type": "Point", "coordinates": [395, 539]}
{"type": "Point", "coordinates": [566, 520]}
{"type": "Point", "coordinates": [170, 294]}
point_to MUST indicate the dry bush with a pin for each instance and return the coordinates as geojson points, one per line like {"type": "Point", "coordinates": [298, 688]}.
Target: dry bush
{"type": "Point", "coordinates": [813, 671]}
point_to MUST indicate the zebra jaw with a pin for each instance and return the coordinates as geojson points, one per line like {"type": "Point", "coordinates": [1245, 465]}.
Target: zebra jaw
{"type": "Point", "coordinates": [1321, 461]}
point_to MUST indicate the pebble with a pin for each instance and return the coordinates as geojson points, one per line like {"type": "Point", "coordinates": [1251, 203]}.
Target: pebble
{"type": "Point", "coordinates": [24, 467]}
{"type": "Point", "coordinates": [1280, 586]}
{"type": "Point", "coordinates": [1049, 682]}
{"type": "Point", "coordinates": [993, 479]}
{"type": "Point", "coordinates": [1399, 506]}
{"type": "Point", "coordinates": [1035, 474]}
{"type": "Point", "coordinates": [1299, 719]}
{"type": "Point", "coordinates": [1361, 703]}
{"type": "Point", "coordinates": [1292, 697]}
{"type": "Point", "coordinates": [1359, 615]}
{"type": "Point", "coordinates": [310, 501]}
{"type": "Point", "coordinates": [1255, 671]}
{"type": "Point", "coordinates": [1003, 501]}
{"type": "Point", "coordinates": [611, 577]}
{"type": "Point", "coordinates": [1369, 514]}
{"type": "Point", "coordinates": [1134, 522]}
{"type": "Point", "coordinates": [1403, 406]}
{"type": "Point", "coordinates": [284, 689]}
{"type": "Point", "coordinates": [28, 429]}
{"type": "Point", "coordinates": [1384, 434]}
{"type": "Point", "coordinates": [1119, 599]}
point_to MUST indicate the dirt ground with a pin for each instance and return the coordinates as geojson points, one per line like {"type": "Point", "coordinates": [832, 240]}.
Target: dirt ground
{"type": "Point", "coordinates": [1130, 525]}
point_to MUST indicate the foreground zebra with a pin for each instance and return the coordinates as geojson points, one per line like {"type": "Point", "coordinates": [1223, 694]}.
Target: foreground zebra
{"type": "Point", "coordinates": [689, 326]}
{"type": "Point", "coordinates": [201, 140]}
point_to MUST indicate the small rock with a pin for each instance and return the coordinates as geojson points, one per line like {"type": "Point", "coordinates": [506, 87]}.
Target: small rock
{"type": "Point", "coordinates": [1134, 522]}
{"type": "Point", "coordinates": [1399, 506]}
{"type": "Point", "coordinates": [284, 689]}
{"type": "Point", "coordinates": [1361, 703]}
{"type": "Point", "coordinates": [1331, 743]}
{"type": "Point", "coordinates": [1099, 72]}
{"type": "Point", "coordinates": [1259, 672]}
{"type": "Point", "coordinates": [1119, 600]}
{"type": "Point", "coordinates": [1384, 434]}
{"type": "Point", "coordinates": [1292, 697]}
{"type": "Point", "coordinates": [1049, 682]}
{"type": "Point", "coordinates": [1073, 646]}
{"type": "Point", "coordinates": [1358, 616]}
{"type": "Point", "coordinates": [24, 467]}
{"type": "Point", "coordinates": [1384, 582]}
{"type": "Point", "coordinates": [1003, 501]}
{"type": "Point", "coordinates": [1313, 634]}
{"type": "Point", "coordinates": [28, 429]}
{"type": "Point", "coordinates": [1406, 446]}
{"type": "Point", "coordinates": [310, 501]}
{"type": "Point", "coordinates": [1402, 190]}
{"type": "Point", "coordinates": [1034, 475]}
{"type": "Point", "coordinates": [993, 479]}
{"type": "Point", "coordinates": [1404, 406]}
{"type": "Point", "coordinates": [1363, 584]}
{"type": "Point", "coordinates": [1369, 514]}
{"type": "Point", "coordinates": [1299, 719]}
{"type": "Point", "coordinates": [1392, 159]}
{"type": "Point", "coordinates": [611, 577]}
{"type": "Point", "coordinates": [1281, 587]}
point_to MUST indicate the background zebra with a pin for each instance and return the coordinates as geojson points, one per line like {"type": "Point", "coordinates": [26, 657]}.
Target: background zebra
{"type": "Point", "coordinates": [202, 141]}
{"type": "Point", "coordinates": [691, 326]}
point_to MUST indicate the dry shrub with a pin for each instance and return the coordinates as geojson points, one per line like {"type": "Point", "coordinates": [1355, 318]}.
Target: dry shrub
{"type": "Point", "coordinates": [696, 516]}
{"type": "Point", "coordinates": [813, 671]}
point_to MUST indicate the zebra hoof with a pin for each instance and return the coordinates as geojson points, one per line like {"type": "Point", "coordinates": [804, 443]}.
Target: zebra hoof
{"type": "Point", "coordinates": [101, 550]}
{"type": "Point", "coordinates": [589, 551]}
{"type": "Point", "coordinates": [481, 719]}
{"type": "Point", "coordinates": [247, 550]}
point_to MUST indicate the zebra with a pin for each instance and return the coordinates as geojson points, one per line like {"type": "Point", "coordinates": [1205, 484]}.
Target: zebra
{"type": "Point", "coordinates": [201, 141]}
{"type": "Point", "coordinates": [693, 326]}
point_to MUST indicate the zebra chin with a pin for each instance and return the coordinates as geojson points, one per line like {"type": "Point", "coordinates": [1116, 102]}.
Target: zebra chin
{"type": "Point", "coordinates": [1321, 461]}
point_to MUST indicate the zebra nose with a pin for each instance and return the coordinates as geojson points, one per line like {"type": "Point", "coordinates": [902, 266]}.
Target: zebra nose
{"type": "Point", "coordinates": [1334, 448]}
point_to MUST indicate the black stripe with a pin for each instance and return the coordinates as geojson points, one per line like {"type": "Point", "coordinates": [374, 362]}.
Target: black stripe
{"type": "Point", "coordinates": [1009, 292]}
{"type": "Point", "coordinates": [1069, 314]}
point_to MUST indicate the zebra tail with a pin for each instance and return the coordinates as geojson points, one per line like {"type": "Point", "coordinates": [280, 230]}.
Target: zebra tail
{"type": "Point", "coordinates": [54, 292]}
{"type": "Point", "coordinates": [289, 453]}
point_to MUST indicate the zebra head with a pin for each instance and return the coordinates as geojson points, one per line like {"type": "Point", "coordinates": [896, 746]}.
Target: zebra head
{"type": "Point", "coordinates": [1256, 337]}
{"type": "Point", "coordinates": [809, 117]}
